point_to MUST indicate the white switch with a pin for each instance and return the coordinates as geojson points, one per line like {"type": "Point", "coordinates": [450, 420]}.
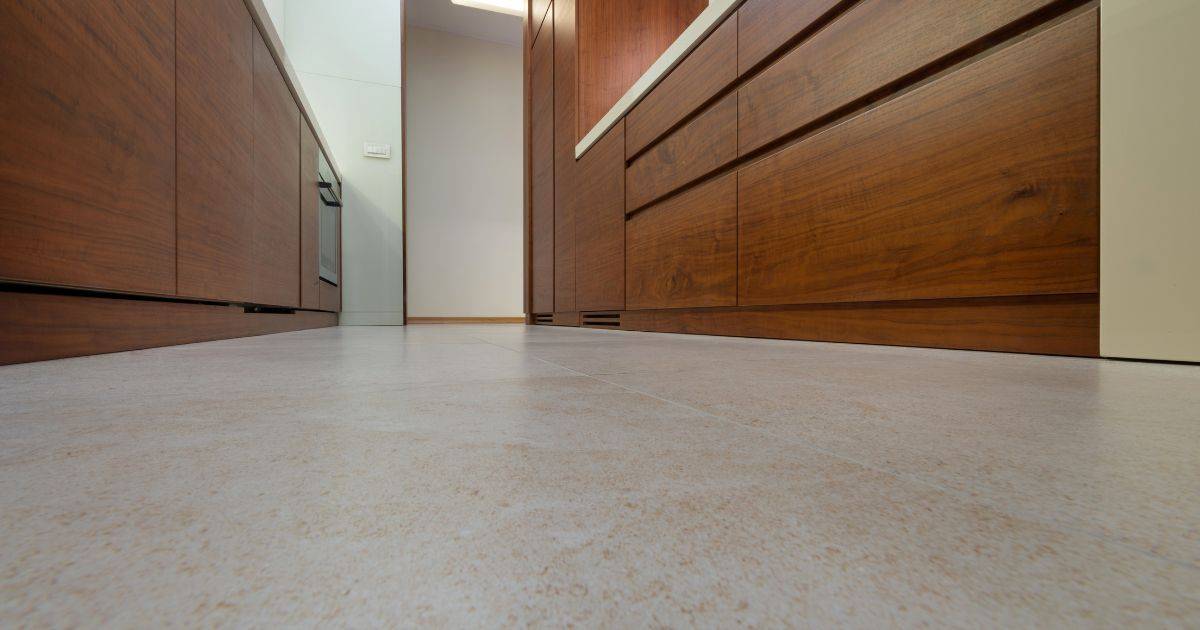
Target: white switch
{"type": "Point", "coordinates": [377, 150]}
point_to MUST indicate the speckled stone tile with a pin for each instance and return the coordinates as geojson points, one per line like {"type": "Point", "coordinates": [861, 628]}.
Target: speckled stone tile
{"type": "Point", "coordinates": [472, 483]}
{"type": "Point", "coordinates": [1109, 447]}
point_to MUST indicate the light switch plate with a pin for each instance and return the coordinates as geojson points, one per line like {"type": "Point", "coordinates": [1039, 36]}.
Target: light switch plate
{"type": "Point", "coordinates": [377, 150]}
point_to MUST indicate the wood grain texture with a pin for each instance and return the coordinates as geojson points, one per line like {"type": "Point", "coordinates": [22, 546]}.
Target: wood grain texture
{"type": "Point", "coordinates": [1063, 325]}
{"type": "Point", "coordinates": [600, 224]}
{"type": "Point", "coordinates": [37, 327]}
{"type": "Point", "coordinates": [618, 41]}
{"type": "Point", "coordinates": [766, 25]}
{"type": "Point", "coordinates": [565, 121]}
{"type": "Point", "coordinates": [310, 219]}
{"type": "Point", "coordinates": [331, 297]}
{"type": "Point", "coordinates": [87, 143]}
{"type": "Point", "coordinates": [982, 183]}
{"type": "Point", "coordinates": [541, 123]}
{"type": "Point", "coordinates": [706, 71]}
{"type": "Point", "coordinates": [215, 109]}
{"type": "Point", "coordinates": [704, 144]}
{"type": "Point", "coordinates": [538, 10]}
{"type": "Point", "coordinates": [874, 44]}
{"type": "Point", "coordinates": [683, 251]}
{"type": "Point", "coordinates": [276, 217]}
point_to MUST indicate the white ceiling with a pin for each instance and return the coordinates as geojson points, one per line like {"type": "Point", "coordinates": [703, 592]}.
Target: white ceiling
{"type": "Point", "coordinates": [442, 15]}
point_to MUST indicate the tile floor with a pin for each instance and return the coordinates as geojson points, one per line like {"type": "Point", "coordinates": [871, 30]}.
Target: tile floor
{"type": "Point", "coordinates": [504, 475]}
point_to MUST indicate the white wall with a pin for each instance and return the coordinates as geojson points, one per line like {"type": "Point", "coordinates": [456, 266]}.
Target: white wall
{"type": "Point", "coordinates": [465, 194]}
{"type": "Point", "coordinates": [347, 54]}
{"type": "Point", "coordinates": [1149, 184]}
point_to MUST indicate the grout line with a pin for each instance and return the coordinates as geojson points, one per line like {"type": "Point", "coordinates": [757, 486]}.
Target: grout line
{"type": "Point", "coordinates": [960, 496]}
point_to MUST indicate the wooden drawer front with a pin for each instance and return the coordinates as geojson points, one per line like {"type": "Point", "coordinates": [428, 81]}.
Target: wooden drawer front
{"type": "Point", "coordinates": [983, 183]}
{"type": "Point", "coordinates": [764, 26]}
{"type": "Point", "coordinates": [600, 225]}
{"type": "Point", "coordinates": [541, 89]}
{"type": "Point", "coordinates": [708, 69]}
{"type": "Point", "coordinates": [87, 144]}
{"type": "Point", "coordinates": [871, 46]}
{"type": "Point", "coordinates": [683, 252]}
{"type": "Point", "coordinates": [703, 145]}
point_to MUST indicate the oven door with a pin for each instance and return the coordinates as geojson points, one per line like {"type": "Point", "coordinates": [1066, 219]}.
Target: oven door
{"type": "Point", "coordinates": [330, 238]}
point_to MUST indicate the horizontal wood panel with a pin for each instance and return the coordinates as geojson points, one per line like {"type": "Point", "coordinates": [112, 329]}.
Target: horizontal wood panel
{"type": "Point", "coordinates": [1063, 325]}
{"type": "Point", "coordinates": [541, 157]}
{"type": "Point", "coordinates": [983, 183]}
{"type": "Point", "coordinates": [766, 25]}
{"type": "Point", "coordinates": [869, 47]}
{"type": "Point", "coordinates": [706, 71]}
{"type": "Point", "coordinates": [215, 103]}
{"type": "Point", "coordinates": [683, 251]}
{"type": "Point", "coordinates": [276, 218]}
{"type": "Point", "coordinates": [37, 327]}
{"type": "Point", "coordinates": [703, 145]}
{"type": "Point", "coordinates": [600, 224]}
{"type": "Point", "coordinates": [87, 144]}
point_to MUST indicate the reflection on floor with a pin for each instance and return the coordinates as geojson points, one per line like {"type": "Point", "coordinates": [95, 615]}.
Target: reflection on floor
{"type": "Point", "coordinates": [503, 475]}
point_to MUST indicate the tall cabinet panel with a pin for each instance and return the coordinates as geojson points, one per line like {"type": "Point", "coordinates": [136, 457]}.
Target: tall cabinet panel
{"type": "Point", "coordinates": [566, 133]}
{"type": "Point", "coordinates": [215, 92]}
{"type": "Point", "coordinates": [600, 224]}
{"type": "Point", "coordinates": [541, 89]}
{"type": "Point", "coordinates": [87, 144]}
{"type": "Point", "coordinates": [310, 208]}
{"type": "Point", "coordinates": [276, 223]}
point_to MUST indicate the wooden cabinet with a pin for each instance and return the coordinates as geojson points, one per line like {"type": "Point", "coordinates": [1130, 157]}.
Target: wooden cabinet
{"type": "Point", "coordinates": [538, 10]}
{"type": "Point", "coordinates": [702, 75]}
{"type": "Point", "coordinates": [617, 41]}
{"type": "Point", "coordinates": [909, 172]}
{"type": "Point", "coordinates": [215, 119]}
{"type": "Point", "coordinates": [683, 251]}
{"type": "Point", "coordinates": [700, 147]}
{"type": "Point", "coordinates": [310, 209]}
{"type": "Point", "coordinates": [276, 222]}
{"type": "Point", "coordinates": [766, 26]}
{"type": "Point", "coordinates": [982, 183]}
{"type": "Point", "coordinates": [866, 49]}
{"type": "Point", "coordinates": [566, 120]}
{"type": "Point", "coordinates": [600, 224]}
{"type": "Point", "coordinates": [541, 148]}
{"type": "Point", "coordinates": [87, 144]}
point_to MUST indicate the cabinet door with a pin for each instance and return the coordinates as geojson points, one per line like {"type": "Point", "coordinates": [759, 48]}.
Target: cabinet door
{"type": "Point", "coordinates": [87, 144]}
{"type": "Point", "coordinates": [276, 247]}
{"type": "Point", "coordinates": [600, 224]}
{"type": "Point", "coordinates": [215, 92]}
{"type": "Point", "coordinates": [310, 208]}
{"type": "Point", "coordinates": [541, 123]}
{"type": "Point", "coordinates": [566, 134]}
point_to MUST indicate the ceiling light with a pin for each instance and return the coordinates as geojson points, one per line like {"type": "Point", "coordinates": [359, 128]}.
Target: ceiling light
{"type": "Point", "coordinates": [511, 7]}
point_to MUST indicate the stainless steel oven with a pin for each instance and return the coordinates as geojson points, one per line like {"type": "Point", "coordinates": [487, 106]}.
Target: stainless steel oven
{"type": "Point", "coordinates": [330, 221]}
